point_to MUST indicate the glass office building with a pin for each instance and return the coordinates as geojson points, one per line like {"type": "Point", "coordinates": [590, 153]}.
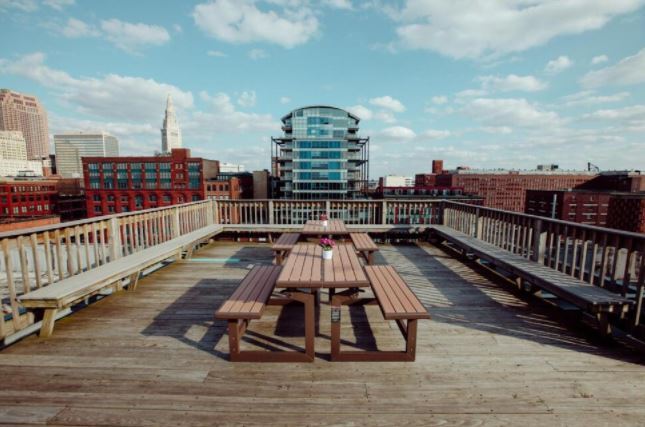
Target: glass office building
{"type": "Point", "coordinates": [320, 156]}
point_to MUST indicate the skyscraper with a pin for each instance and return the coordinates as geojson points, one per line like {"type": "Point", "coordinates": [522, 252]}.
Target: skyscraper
{"type": "Point", "coordinates": [19, 112]}
{"type": "Point", "coordinates": [170, 132]}
{"type": "Point", "coordinates": [320, 155]}
{"type": "Point", "coordinates": [71, 147]}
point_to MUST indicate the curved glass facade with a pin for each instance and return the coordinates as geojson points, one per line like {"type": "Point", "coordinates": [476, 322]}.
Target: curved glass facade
{"type": "Point", "coordinates": [320, 155]}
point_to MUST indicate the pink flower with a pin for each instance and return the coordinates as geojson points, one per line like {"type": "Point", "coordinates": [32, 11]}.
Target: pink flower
{"type": "Point", "coordinates": [323, 217]}
{"type": "Point", "coordinates": [327, 244]}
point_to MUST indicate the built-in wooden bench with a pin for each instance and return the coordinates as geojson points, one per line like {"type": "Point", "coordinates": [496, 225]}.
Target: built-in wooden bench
{"type": "Point", "coordinates": [283, 246]}
{"type": "Point", "coordinates": [248, 302]}
{"type": "Point", "coordinates": [74, 289]}
{"type": "Point", "coordinates": [397, 302]}
{"type": "Point", "coordinates": [364, 245]}
{"type": "Point", "coordinates": [593, 299]}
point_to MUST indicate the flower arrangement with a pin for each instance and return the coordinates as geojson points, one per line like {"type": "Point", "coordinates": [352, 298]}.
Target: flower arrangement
{"type": "Point", "coordinates": [323, 217]}
{"type": "Point", "coordinates": [327, 244]}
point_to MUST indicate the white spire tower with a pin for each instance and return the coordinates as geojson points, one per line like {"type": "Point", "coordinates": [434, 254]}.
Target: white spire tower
{"type": "Point", "coordinates": [170, 133]}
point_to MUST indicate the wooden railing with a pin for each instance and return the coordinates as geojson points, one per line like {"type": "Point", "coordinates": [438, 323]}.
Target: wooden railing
{"type": "Point", "coordinates": [604, 257]}
{"type": "Point", "coordinates": [293, 212]}
{"type": "Point", "coordinates": [43, 256]}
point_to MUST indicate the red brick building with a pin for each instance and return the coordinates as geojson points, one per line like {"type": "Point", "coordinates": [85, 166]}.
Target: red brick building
{"type": "Point", "coordinates": [223, 188]}
{"type": "Point", "coordinates": [614, 200]}
{"type": "Point", "coordinates": [125, 184]}
{"type": "Point", "coordinates": [501, 189]}
{"type": "Point", "coordinates": [31, 198]}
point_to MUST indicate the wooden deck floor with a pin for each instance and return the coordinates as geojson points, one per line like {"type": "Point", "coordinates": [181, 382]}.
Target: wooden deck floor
{"type": "Point", "coordinates": [156, 356]}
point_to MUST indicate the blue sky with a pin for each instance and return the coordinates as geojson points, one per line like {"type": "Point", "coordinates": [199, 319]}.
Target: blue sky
{"type": "Point", "coordinates": [492, 84]}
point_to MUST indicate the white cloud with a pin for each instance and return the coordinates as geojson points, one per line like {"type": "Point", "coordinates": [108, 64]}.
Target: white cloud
{"type": "Point", "coordinates": [58, 4]}
{"type": "Point", "coordinates": [498, 130]}
{"type": "Point", "coordinates": [389, 103]}
{"type": "Point", "coordinates": [111, 96]}
{"type": "Point", "coordinates": [511, 112]}
{"type": "Point", "coordinates": [589, 97]}
{"type": "Point", "coordinates": [223, 117]}
{"type": "Point", "coordinates": [435, 134]}
{"type": "Point", "coordinates": [247, 99]}
{"type": "Point", "coordinates": [511, 83]}
{"type": "Point", "coordinates": [177, 28]}
{"type": "Point", "coordinates": [627, 113]}
{"type": "Point", "coordinates": [628, 71]}
{"type": "Point", "coordinates": [439, 100]}
{"type": "Point", "coordinates": [558, 65]}
{"type": "Point", "coordinates": [216, 53]}
{"type": "Point", "coordinates": [599, 59]}
{"type": "Point", "coordinates": [397, 133]}
{"type": "Point", "coordinates": [240, 21]}
{"type": "Point", "coordinates": [339, 4]}
{"type": "Point", "coordinates": [466, 29]}
{"type": "Point", "coordinates": [471, 93]}
{"type": "Point", "coordinates": [285, 100]}
{"type": "Point", "coordinates": [75, 28]}
{"type": "Point", "coordinates": [385, 116]}
{"type": "Point", "coordinates": [21, 5]}
{"type": "Point", "coordinates": [256, 54]}
{"type": "Point", "coordinates": [361, 112]}
{"type": "Point", "coordinates": [131, 37]}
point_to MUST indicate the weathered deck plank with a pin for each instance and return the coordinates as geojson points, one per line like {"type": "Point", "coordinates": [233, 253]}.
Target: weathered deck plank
{"type": "Point", "coordinates": [157, 356]}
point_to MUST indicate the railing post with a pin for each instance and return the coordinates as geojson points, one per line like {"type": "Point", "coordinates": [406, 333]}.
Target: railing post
{"type": "Point", "coordinates": [328, 208]}
{"type": "Point", "coordinates": [479, 224]}
{"type": "Point", "coordinates": [384, 212]}
{"type": "Point", "coordinates": [176, 232]}
{"type": "Point", "coordinates": [270, 207]}
{"type": "Point", "coordinates": [115, 238]}
{"type": "Point", "coordinates": [444, 214]}
{"type": "Point", "coordinates": [539, 242]}
{"type": "Point", "coordinates": [209, 213]}
{"type": "Point", "coordinates": [216, 210]}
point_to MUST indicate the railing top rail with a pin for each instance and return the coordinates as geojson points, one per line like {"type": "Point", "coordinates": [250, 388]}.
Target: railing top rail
{"type": "Point", "coordinates": [629, 234]}
{"type": "Point", "coordinates": [50, 227]}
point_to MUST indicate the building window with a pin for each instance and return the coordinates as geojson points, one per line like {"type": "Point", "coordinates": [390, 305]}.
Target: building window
{"type": "Point", "coordinates": [153, 198]}
{"type": "Point", "coordinates": [96, 198]}
{"type": "Point", "coordinates": [196, 197]}
{"type": "Point", "coordinates": [167, 198]}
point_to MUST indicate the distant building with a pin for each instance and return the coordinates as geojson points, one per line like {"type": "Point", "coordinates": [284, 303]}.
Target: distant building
{"type": "Point", "coordinates": [223, 188]}
{"type": "Point", "coordinates": [71, 147]}
{"type": "Point", "coordinates": [261, 184]}
{"type": "Point", "coordinates": [550, 167]}
{"type": "Point", "coordinates": [230, 167]}
{"type": "Point", "coordinates": [24, 113]}
{"type": "Point", "coordinates": [320, 155]}
{"type": "Point", "coordinates": [396, 181]}
{"type": "Point", "coordinates": [613, 199]}
{"type": "Point", "coordinates": [501, 189]}
{"type": "Point", "coordinates": [170, 131]}
{"type": "Point", "coordinates": [125, 184]}
{"type": "Point", "coordinates": [13, 155]}
{"type": "Point", "coordinates": [29, 196]}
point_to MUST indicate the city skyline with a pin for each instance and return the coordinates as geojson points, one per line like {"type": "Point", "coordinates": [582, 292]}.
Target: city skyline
{"type": "Point", "coordinates": [484, 92]}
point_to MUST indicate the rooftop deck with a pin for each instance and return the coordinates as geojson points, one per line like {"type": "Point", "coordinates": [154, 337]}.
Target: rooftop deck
{"type": "Point", "coordinates": [157, 356]}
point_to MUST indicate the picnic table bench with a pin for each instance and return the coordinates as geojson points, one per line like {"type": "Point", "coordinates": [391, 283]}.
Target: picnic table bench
{"type": "Point", "coordinates": [365, 245]}
{"type": "Point", "coordinates": [397, 302]}
{"type": "Point", "coordinates": [74, 289]}
{"type": "Point", "coordinates": [248, 302]}
{"type": "Point", "coordinates": [283, 246]}
{"type": "Point", "coordinates": [593, 299]}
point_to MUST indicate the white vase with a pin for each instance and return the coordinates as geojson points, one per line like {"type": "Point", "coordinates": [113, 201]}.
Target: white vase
{"type": "Point", "coordinates": [327, 254]}
{"type": "Point", "coordinates": [325, 223]}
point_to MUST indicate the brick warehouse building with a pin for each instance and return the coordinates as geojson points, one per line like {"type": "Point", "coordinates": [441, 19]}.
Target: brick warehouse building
{"type": "Point", "coordinates": [125, 184]}
{"type": "Point", "coordinates": [501, 189]}
{"type": "Point", "coordinates": [31, 198]}
{"type": "Point", "coordinates": [612, 199]}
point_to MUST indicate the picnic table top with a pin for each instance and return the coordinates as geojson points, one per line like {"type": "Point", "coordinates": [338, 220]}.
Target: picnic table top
{"type": "Point", "coordinates": [334, 227]}
{"type": "Point", "coordinates": [305, 268]}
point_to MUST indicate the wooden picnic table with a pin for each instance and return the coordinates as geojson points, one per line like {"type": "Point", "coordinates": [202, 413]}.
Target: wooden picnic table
{"type": "Point", "coordinates": [335, 227]}
{"type": "Point", "coordinates": [305, 268]}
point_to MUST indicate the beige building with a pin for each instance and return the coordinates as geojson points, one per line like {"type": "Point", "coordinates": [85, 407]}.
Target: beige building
{"type": "Point", "coordinates": [12, 145]}
{"type": "Point", "coordinates": [71, 147]}
{"type": "Point", "coordinates": [24, 113]}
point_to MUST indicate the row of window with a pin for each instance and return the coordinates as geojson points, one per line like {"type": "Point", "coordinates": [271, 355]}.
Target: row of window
{"type": "Point", "coordinates": [25, 209]}
{"type": "Point", "coordinates": [108, 166]}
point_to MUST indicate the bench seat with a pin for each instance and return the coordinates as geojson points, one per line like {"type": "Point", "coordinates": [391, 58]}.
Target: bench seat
{"type": "Point", "coordinates": [249, 301]}
{"type": "Point", "coordinates": [587, 297]}
{"type": "Point", "coordinates": [71, 290]}
{"type": "Point", "coordinates": [283, 246]}
{"type": "Point", "coordinates": [396, 301]}
{"type": "Point", "coordinates": [365, 245]}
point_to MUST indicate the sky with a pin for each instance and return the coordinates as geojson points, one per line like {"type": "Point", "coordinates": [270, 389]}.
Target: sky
{"type": "Point", "coordinates": [486, 84]}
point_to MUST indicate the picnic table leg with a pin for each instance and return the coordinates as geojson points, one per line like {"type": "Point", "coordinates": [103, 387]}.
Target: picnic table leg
{"type": "Point", "coordinates": [234, 339]}
{"type": "Point", "coordinates": [370, 256]}
{"type": "Point", "coordinates": [308, 299]}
